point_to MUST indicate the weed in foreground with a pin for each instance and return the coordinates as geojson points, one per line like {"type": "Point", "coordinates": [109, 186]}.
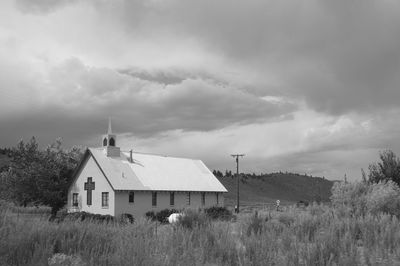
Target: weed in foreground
{"type": "Point", "coordinates": [297, 237]}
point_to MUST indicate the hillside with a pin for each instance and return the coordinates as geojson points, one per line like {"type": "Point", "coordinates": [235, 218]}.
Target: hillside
{"type": "Point", "coordinates": [267, 188]}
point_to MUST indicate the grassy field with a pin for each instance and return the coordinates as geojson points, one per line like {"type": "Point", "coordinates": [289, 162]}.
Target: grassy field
{"type": "Point", "coordinates": [316, 235]}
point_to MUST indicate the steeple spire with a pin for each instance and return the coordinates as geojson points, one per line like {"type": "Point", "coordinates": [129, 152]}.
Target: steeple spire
{"type": "Point", "coordinates": [109, 142]}
{"type": "Point", "coordinates": [109, 126]}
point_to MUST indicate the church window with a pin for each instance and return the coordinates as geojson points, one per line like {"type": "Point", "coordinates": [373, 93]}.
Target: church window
{"type": "Point", "coordinates": [75, 199]}
{"type": "Point", "coordinates": [131, 197]}
{"type": "Point", "coordinates": [105, 142]}
{"type": "Point", "coordinates": [154, 199]}
{"type": "Point", "coordinates": [203, 198]}
{"type": "Point", "coordinates": [188, 198]}
{"type": "Point", "coordinates": [104, 199]}
{"type": "Point", "coordinates": [172, 198]}
{"type": "Point", "coordinates": [112, 142]}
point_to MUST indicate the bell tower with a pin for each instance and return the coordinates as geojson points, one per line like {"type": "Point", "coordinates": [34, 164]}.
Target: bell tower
{"type": "Point", "coordinates": [109, 142]}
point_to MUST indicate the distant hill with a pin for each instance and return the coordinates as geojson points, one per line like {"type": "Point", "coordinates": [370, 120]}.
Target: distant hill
{"type": "Point", "coordinates": [265, 189]}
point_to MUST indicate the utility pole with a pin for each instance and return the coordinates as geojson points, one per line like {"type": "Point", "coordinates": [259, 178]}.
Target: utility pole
{"type": "Point", "coordinates": [238, 178]}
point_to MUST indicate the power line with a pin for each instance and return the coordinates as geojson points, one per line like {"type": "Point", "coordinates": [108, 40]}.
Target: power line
{"type": "Point", "coordinates": [237, 177]}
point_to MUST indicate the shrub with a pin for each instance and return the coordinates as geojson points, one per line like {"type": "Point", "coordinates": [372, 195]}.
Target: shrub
{"type": "Point", "coordinates": [221, 213]}
{"type": "Point", "coordinates": [150, 215]}
{"type": "Point", "coordinates": [126, 218]}
{"type": "Point", "coordinates": [302, 203]}
{"type": "Point", "coordinates": [388, 169]}
{"type": "Point", "coordinates": [363, 198]}
{"type": "Point", "coordinates": [82, 216]}
{"type": "Point", "coordinates": [192, 219]}
{"type": "Point", "coordinates": [161, 216]}
{"type": "Point", "coordinates": [383, 197]}
{"type": "Point", "coordinates": [350, 195]}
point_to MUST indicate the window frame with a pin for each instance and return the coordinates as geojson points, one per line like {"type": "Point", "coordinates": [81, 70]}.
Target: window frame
{"type": "Point", "coordinates": [105, 200]}
{"type": "Point", "coordinates": [154, 199]}
{"type": "Point", "coordinates": [131, 197]}
{"type": "Point", "coordinates": [75, 202]}
{"type": "Point", "coordinates": [111, 142]}
{"type": "Point", "coordinates": [172, 198]}
{"type": "Point", "coordinates": [188, 198]}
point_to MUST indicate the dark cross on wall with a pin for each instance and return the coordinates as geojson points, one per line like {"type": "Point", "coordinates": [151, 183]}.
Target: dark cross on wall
{"type": "Point", "coordinates": [89, 186]}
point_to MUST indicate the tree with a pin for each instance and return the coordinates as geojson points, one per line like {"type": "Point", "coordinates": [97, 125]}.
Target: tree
{"type": "Point", "coordinates": [55, 172]}
{"type": "Point", "coordinates": [228, 173]}
{"type": "Point", "coordinates": [218, 174]}
{"type": "Point", "coordinates": [40, 176]}
{"type": "Point", "coordinates": [387, 169]}
{"type": "Point", "coordinates": [20, 179]}
{"type": "Point", "coordinates": [363, 176]}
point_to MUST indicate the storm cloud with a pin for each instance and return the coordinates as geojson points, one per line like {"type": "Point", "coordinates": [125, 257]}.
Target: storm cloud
{"type": "Point", "coordinates": [295, 84]}
{"type": "Point", "coordinates": [76, 94]}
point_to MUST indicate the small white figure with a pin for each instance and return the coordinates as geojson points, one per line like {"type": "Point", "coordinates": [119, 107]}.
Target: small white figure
{"type": "Point", "coordinates": [173, 218]}
{"type": "Point", "coordinates": [277, 204]}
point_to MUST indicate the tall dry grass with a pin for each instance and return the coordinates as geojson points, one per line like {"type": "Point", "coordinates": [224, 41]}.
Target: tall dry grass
{"type": "Point", "coordinates": [317, 235]}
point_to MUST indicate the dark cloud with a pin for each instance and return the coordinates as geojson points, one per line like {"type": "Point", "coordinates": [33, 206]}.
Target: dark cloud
{"type": "Point", "coordinates": [142, 107]}
{"type": "Point", "coordinates": [160, 76]}
{"type": "Point", "coordinates": [339, 56]}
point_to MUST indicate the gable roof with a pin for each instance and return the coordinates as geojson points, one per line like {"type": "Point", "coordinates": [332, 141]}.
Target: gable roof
{"type": "Point", "coordinates": [155, 172]}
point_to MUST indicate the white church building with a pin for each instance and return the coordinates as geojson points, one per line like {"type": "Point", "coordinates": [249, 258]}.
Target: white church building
{"type": "Point", "coordinates": [109, 181]}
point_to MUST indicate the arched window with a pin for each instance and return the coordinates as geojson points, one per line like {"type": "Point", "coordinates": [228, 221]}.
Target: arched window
{"type": "Point", "coordinates": [105, 142]}
{"type": "Point", "coordinates": [112, 142]}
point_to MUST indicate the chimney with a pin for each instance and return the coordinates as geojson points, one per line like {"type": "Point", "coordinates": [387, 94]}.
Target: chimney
{"type": "Point", "coordinates": [130, 157]}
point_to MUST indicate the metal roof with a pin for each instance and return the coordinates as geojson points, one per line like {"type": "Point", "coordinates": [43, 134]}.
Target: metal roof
{"type": "Point", "coordinates": [155, 172]}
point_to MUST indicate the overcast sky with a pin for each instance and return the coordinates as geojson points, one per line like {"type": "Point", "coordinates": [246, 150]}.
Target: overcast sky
{"type": "Point", "coordinates": [308, 86]}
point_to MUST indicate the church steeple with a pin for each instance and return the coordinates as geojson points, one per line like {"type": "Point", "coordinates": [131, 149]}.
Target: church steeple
{"type": "Point", "coordinates": [109, 142]}
{"type": "Point", "coordinates": [109, 126]}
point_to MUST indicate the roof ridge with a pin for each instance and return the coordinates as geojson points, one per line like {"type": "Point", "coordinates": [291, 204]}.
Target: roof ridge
{"type": "Point", "coordinates": [148, 153]}
{"type": "Point", "coordinates": [160, 155]}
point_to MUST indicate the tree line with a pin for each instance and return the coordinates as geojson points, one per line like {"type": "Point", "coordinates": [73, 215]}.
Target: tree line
{"type": "Point", "coordinates": [228, 173]}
